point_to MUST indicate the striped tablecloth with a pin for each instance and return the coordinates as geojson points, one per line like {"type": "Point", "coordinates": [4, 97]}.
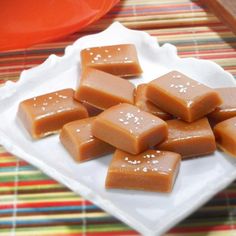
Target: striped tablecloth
{"type": "Point", "coordinates": [31, 203]}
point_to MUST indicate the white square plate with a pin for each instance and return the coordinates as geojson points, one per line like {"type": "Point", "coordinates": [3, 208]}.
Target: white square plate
{"type": "Point", "coordinates": [149, 213]}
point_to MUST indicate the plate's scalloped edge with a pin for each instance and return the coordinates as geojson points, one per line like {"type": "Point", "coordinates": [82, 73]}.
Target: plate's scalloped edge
{"type": "Point", "coordinates": [72, 54]}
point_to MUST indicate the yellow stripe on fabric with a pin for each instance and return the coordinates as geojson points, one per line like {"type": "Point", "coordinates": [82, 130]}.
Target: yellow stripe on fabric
{"type": "Point", "coordinates": [28, 173]}
{"type": "Point", "coordinates": [7, 159]}
{"type": "Point", "coordinates": [58, 216]}
{"type": "Point", "coordinates": [48, 186]}
{"type": "Point", "coordinates": [54, 195]}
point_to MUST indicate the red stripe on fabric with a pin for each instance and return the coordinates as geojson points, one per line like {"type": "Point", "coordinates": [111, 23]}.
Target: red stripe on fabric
{"type": "Point", "coordinates": [215, 57]}
{"type": "Point", "coordinates": [46, 204]}
{"type": "Point", "coordinates": [3, 154]}
{"type": "Point", "coordinates": [27, 183]}
{"type": "Point", "coordinates": [13, 163]}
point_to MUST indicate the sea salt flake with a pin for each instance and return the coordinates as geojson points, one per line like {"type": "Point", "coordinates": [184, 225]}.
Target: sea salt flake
{"type": "Point", "coordinates": [155, 161]}
{"type": "Point", "coordinates": [145, 169]}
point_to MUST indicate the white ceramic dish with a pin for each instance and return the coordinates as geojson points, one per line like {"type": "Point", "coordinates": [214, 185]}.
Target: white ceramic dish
{"type": "Point", "coordinates": [148, 213]}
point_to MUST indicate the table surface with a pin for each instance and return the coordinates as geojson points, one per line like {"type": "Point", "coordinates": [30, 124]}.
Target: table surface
{"type": "Point", "coordinates": [32, 203]}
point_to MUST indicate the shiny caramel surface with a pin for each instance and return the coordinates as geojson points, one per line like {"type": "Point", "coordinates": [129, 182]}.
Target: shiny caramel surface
{"type": "Point", "coordinates": [46, 114]}
{"type": "Point", "coordinates": [189, 139]}
{"type": "Point", "coordinates": [77, 138]}
{"type": "Point", "coordinates": [181, 96]}
{"type": "Point", "coordinates": [142, 102]}
{"type": "Point", "coordinates": [128, 128]}
{"type": "Point", "coordinates": [121, 60]}
{"type": "Point", "coordinates": [152, 170]}
{"type": "Point", "coordinates": [103, 90]}
{"type": "Point", "coordinates": [225, 136]}
{"type": "Point", "coordinates": [228, 108]}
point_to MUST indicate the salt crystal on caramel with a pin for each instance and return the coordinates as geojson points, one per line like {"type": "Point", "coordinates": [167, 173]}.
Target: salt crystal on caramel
{"type": "Point", "coordinates": [181, 96]}
{"type": "Point", "coordinates": [128, 128]}
{"type": "Point", "coordinates": [78, 140]}
{"type": "Point", "coordinates": [189, 139]}
{"type": "Point", "coordinates": [228, 108]}
{"type": "Point", "coordinates": [103, 90]}
{"type": "Point", "coordinates": [225, 136]}
{"type": "Point", "coordinates": [121, 60]}
{"type": "Point", "coordinates": [152, 170]}
{"type": "Point", "coordinates": [144, 104]}
{"type": "Point", "coordinates": [46, 114]}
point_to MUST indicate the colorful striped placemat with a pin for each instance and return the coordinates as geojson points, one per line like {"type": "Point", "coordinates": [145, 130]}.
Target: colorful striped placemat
{"type": "Point", "coordinates": [31, 203]}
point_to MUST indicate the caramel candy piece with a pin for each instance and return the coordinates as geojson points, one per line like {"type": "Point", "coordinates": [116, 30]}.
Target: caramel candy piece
{"type": "Point", "coordinates": [46, 114]}
{"type": "Point", "coordinates": [182, 97]}
{"type": "Point", "coordinates": [77, 138]}
{"type": "Point", "coordinates": [142, 102]}
{"type": "Point", "coordinates": [104, 90]}
{"type": "Point", "coordinates": [121, 60]}
{"type": "Point", "coordinates": [225, 136]}
{"type": "Point", "coordinates": [189, 139]}
{"type": "Point", "coordinates": [151, 170]}
{"type": "Point", "coordinates": [126, 127]}
{"type": "Point", "coordinates": [228, 108]}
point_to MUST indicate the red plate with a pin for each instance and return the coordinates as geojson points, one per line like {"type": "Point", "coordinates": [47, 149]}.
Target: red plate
{"type": "Point", "coordinates": [27, 22]}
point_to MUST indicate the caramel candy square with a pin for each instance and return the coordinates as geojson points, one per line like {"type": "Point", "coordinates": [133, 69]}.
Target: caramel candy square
{"type": "Point", "coordinates": [46, 114]}
{"type": "Point", "coordinates": [189, 139]}
{"type": "Point", "coordinates": [104, 90]}
{"type": "Point", "coordinates": [151, 170]}
{"type": "Point", "coordinates": [225, 136]}
{"type": "Point", "coordinates": [228, 108]}
{"type": "Point", "coordinates": [126, 127]}
{"type": "Point", "coordinates": [77, 138]}
{"type": "Point", "coordinates": [121, 60]}
{"type": "Point", "coordinates": [182, 97]}
{"type": "Point", "coordinates": [142, 102]}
